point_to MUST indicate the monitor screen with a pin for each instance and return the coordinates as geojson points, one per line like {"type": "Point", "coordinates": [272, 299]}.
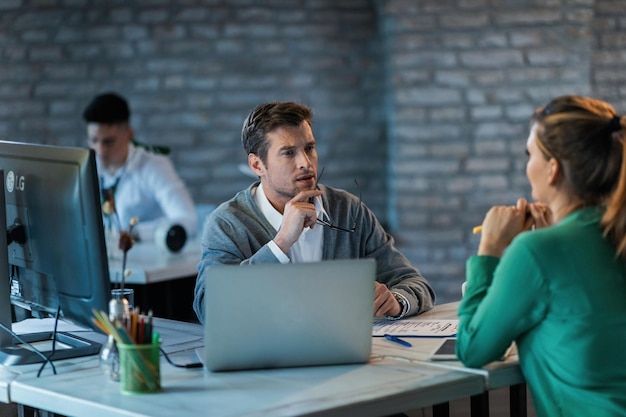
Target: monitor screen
{"type": "Point", "coordinates": [56, 250]}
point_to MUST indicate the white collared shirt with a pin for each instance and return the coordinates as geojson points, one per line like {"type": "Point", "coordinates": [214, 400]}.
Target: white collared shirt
{"type": "Point", "coordinates": [308, 247]}
{"type": "Point", "coordinates": [149, 188]}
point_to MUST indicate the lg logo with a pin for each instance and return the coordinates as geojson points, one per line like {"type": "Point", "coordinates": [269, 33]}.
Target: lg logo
{"type": "Point", "coordinates": [14, 182]}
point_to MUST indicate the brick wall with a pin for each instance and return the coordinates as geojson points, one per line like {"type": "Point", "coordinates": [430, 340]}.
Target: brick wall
{"type": "Point", "coordinates": [608, 65]}
{"type": "Point", "coordinates": [192, 70]}
{"type": "Point", "coordinates": [425, 102]}
{"type": "Point", "coordinates": [465, 77]}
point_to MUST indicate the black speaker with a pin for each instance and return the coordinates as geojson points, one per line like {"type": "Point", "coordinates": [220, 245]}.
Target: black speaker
{"type": "Point", "coordinates": [175, 238]}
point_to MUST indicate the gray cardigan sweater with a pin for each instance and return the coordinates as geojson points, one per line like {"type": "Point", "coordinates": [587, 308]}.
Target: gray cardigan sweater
{"type": "Point", "coordinates": [236, 232]}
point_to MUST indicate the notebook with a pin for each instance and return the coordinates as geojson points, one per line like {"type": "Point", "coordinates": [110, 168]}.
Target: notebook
{"type": "Point", "coordinates": [288, 315]}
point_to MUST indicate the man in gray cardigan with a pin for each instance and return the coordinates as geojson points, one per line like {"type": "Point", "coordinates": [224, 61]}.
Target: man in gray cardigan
{"type": "Point", "coordinates": [289, 217]}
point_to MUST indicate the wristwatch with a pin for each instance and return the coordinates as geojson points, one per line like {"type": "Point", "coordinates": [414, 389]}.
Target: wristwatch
{"type": "Point", "coordinates": [404, 303]}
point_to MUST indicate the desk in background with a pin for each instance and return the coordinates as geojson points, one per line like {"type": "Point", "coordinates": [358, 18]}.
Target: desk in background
{"type": "Point", "coordinates": [163, 281]}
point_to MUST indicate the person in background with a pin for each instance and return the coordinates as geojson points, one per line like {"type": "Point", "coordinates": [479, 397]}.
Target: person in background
{"type": "Point", "coordinates": [288, 217]}
{"type": "Point", "coordinates": [142, 183]}
{"type": "Point", "coordinates": [559, 291]}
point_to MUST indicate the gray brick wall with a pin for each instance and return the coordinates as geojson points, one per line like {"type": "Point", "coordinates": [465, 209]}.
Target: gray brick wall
{"type": "Point", "coordinates": [608, 66]}
{"type": "Point", "coordinates": [192, 71]}
{"type": "Point", "coordinates": [425, 102]}
{"type": "Point", "coordinates": [464, 77]}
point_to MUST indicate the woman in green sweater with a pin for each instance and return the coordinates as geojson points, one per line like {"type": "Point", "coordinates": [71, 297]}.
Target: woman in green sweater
{"type": "Point", "coordinates": [558, 291]}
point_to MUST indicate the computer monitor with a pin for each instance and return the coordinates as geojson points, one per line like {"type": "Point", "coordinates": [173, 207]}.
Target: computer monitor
{"type": "Point", "coordinates": [56, 253]}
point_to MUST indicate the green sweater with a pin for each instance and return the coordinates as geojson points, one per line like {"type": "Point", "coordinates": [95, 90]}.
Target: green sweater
{"type": "Point", "coordinates": [560, 294]}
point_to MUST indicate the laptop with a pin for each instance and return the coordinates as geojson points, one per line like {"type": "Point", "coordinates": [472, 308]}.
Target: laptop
{"type": "Point", "coordinates": [264, 316]}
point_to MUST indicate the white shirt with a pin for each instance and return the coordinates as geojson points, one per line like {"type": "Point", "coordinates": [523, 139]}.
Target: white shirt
{"type": "Point", "coordinates": [149, 188]}
{"type": "Point", "coordinates": [308, 247]}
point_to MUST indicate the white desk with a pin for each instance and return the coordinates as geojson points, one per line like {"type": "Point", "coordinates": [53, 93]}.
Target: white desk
{"type": "Point", "coordinates": [499, 374]}
{"type": "Point", "coordinates": [7, 376]}
{"type": "Point", "coordinates": [383, 386]}
{"type": "Point", "coordinates": [151, 264]}
{"type": "Point", "coordinates": [177, 337]}
{"type": "Point", "coordinates": [376, 389]}
{"type": "Point", "coordinates": [396, 379]}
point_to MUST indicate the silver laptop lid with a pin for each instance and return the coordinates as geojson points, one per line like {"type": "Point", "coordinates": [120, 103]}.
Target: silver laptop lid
{"type": "Point", "coordinates": [285, 315]}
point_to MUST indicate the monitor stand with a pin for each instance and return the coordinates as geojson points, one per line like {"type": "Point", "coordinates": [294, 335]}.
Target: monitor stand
{"type": "Point", "coordinates": [67, 346]}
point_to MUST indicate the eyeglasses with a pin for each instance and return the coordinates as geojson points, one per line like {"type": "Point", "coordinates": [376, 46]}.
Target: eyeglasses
{"type": "Point", "coordinates": [355, 215]}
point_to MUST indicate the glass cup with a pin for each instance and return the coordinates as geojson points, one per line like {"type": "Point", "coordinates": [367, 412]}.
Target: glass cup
{"type": "Point", "coordinates": [127, 293]}
{"type": "Point", "coordinates": [140, 370]}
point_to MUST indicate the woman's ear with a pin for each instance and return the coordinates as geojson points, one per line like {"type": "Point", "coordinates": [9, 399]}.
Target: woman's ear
{"type": "Point", "coordinates": [554, 171]}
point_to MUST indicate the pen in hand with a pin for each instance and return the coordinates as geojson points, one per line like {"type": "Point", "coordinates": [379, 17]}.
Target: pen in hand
{"type": "Point", "coordinates": [396, 339]}
{"type": "Point", "coordinates": [478, 229]}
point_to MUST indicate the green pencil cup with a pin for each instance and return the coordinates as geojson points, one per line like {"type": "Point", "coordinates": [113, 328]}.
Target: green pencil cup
{"type": "Point", "coordinates": [140, 370]}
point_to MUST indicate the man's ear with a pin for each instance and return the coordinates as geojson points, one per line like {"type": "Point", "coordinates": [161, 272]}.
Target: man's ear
{"type": "Point", "coordinates": [127, 131]}
{"type": "Point", "coordinates": [256, 165]}
{"type": "Point", "coordinates": [554, 171]}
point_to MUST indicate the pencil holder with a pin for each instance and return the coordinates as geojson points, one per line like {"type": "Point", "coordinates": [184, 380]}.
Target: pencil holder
{"type": "Point", "coordinates": [140, 370]}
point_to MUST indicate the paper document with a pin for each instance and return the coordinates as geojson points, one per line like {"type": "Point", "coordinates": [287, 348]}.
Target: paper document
{"type": "Point", "coordinates": [416, 328]}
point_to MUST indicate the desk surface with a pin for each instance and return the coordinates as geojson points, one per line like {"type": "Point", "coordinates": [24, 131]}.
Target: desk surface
{"type": "Point", "coordinates": [497, 374]}
{"type": "Point", "coordinates": [381, 387]}
{"type": "Point", "coordinates": [396, 379]}
{"type": "Point", "coordinates": [149, 263]}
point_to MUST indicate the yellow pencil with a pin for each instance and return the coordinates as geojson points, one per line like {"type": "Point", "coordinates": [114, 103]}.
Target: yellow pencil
{"type": "Point", "coordinates": [477, 229]}
{"type": "Point", "coordinates": [100, 326]}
